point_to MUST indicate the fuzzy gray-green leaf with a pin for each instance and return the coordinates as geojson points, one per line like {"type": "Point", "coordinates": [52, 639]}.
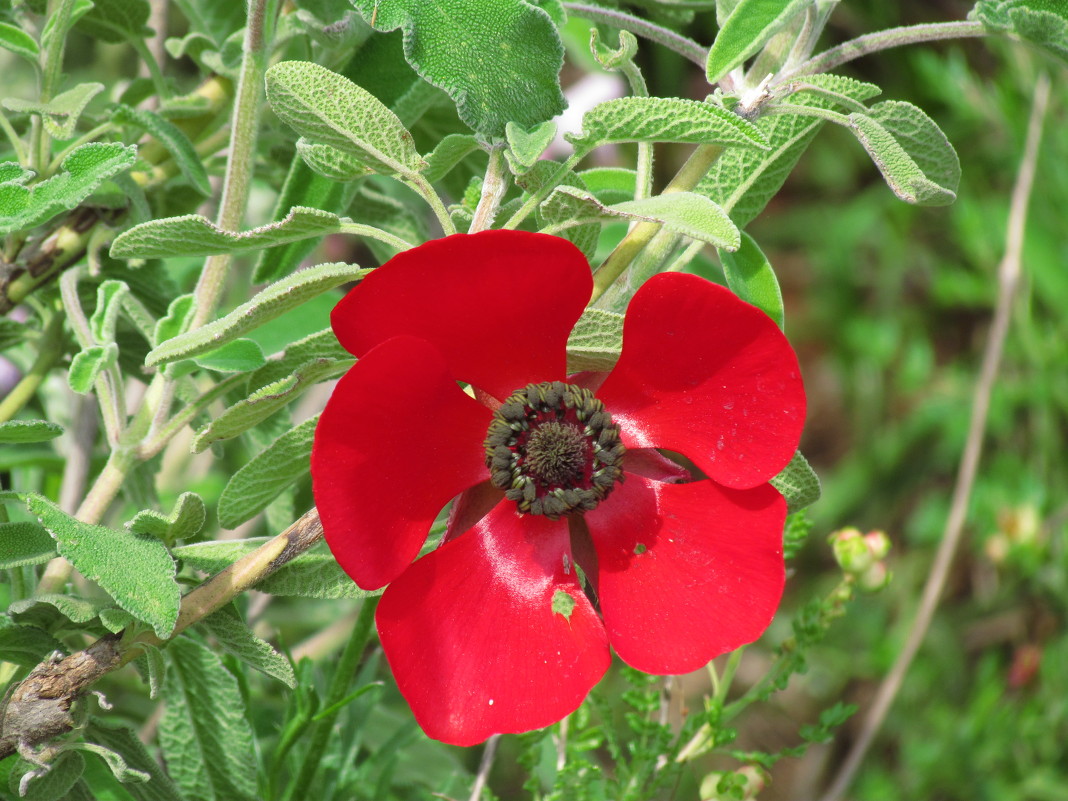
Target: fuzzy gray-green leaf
{"type": "Point", "coordinates": [595, 341]}
{"type": "Point", "coordinates": [235, 637]}
{"type": "Point", "coordinates": [664, 119]}
{"type": "Point", "coordinates": [193, 235]}
{"type": "Point", "coordinates": [19, 42]}
{"type": "Point", "coordinates": [171, 137]}
{"type": "Point", "coordinates": [19, 431]}
{"type": "Point", "coordinates": [260, 481]}
{"type": "Point", "coordinates": [204, 734]}
{"type": "Point", "coordinates": [748, 28]}
{"type": "Point", "coordinates": [798, 483]}
{"type": "Point", "coordinates": [184, 521]}
{"type": "Point", "coordinates": [330, 109]}
{"type": "Point", "coordinates": [750, 276]}
{"type": "Point", "coordinates": [273, 301]}
{"type": "Point", "coordinates": [62, 113]}
{"type": "Point", "coordinates": [136, 571]}
{"type": "Point", "coordinates": [24, 543]}
{"type": "Point", "coordinates": [123, 740]}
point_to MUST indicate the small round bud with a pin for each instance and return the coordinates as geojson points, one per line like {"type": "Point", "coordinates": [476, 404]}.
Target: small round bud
{"type": "Point", "coordinates": [878, 543]}
{"type": "Point", "coordinates": [875, 578]}
{"type": "Point", "coordinates": [851, 551]}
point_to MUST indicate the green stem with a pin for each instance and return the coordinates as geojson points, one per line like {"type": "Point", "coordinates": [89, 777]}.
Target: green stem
{"type": "Point", "coordinates": [687, 48]}
{"type": "Point", "coordinates": [339, 685]}
{"type": "Point", "coordinates": [493, 186]}
{"type": "Point", "coordinates": [155, 442]}
{"type": "Point", "coordinates": [643, 181]}
{"type": "Point", "coordinates": [239, 165]}
{"type": "Point", "coordinates": [433, 199]}
{"type": "Point", "coordinates": [16, 142]}
{"type": "Point", "coordinates": [375, 233]}
{"type": "Point", "coordinates": [695, 168]}
{"type": "Point", "coordinates": [49, 351]}
{"type": "Point", "coordinates": [154, 71]}
{"type": "Point", "coordinates": [884, 40]}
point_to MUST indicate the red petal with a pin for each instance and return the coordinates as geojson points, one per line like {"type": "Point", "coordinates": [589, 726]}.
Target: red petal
{"type": "Point", "coordinates": [710, 576]}
{"type": "Point", "coordinates": [398, 439]}
{"type": "Point", "coordinates": [707, 375]}
{"type": "Point", "coordinates": [498, 304]}
{"type": "Point", "coordinates": [472, 637]}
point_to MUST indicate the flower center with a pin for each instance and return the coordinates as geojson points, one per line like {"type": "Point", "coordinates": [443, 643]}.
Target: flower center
{"type": "Point", "coordinates": [554, 450]}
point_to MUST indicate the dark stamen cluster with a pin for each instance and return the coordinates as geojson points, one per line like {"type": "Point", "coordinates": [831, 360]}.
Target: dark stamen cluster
{"type": "Point", "coordinates": [554, 450]}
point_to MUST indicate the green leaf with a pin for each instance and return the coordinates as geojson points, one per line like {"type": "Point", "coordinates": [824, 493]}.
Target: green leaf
{"type": "Point", "coordinates": [449, 152]}
{"type": "Point", "coordinates": [18, 431]}
{"type": "Point", "coordinates": [743, 181]}
{"type": "Point", "coordinates": [270, 303]}
{"type": "Point", "coordinates": [205, 735]}
{"type": "Point", "coordinates": [320, 345]}
{"type": "Point", "coordinates": [117, 20]}
{"type": "Point", "coordinates": [685, 213]}
{"type": "Point", "coordinates": [172, 138]}
{"type": "Point", "coordinates": [25, 645]}
{"type": "Point", "coordinates": [750, 276]}
{"type": "Point", "coordinates": [193, 235]}
{"type": "Point", "coordinates": [88, 364]}
{"type": "Point", "coordinates": [798, 483]}
{"type": "Point", "coordinates": [51, 783]}
{"type": "Point", "coordinates": [595, 341]}
{"type": "Point", "coordinates": [185, 521]}
{"type": "Point", "coordinates": [527, 146]}
{"type": "Point", "coordinates": [329, 162]}
{"type": "Point", "coordinates": [267, 400]}
{"type": "Point", "coordinates": [12, 333]}
{"type": "Point", "coordinates": [235, 637]}
{"type": "Point", "coordinates": [330, 109]}
{"type": "Point", "coordinates": [115, 762]}
{"type": "Point", "coordinates": [610, 184]}
{"type": "Point", "coordinates": [664, 119]}
{"type": "Point", "coordinates": [910, 150]}
{"type": "Point", "coordinates": [19, 42]}
{"type": "Point", "coordinates": [61, 114]}
{"type": "Point", "coordinates": [83, 170]}
{"type": "Point", "coordinates": [256, 484]}
{"type": "Point", "coordinates": [614, 59]}
{"type": "Point", "coordinates": [136, 571]}
{"type": "Point", "coordinates": [115, 620]}
{"type": "Point", "coordinates": [109, 297]}
{"type": "Point", "coordinates": [123, 740]}
{"type": "Point", "coordinates": [237, 356]}
{"type": "Point", "coordinates": [315, 574]}
{"type": "Point", "coordinates": [24, 543]}
{"type": "Point", "coordinates": [748, 28]}
{"type": "Point", "coordinates": [76, 610]}
{"type": "Point", "coordinates": [179, 314]}
{"type": "Point", "coordinates": [499, 60]}
{"type": "Point", "coordinates": [1041, 22]}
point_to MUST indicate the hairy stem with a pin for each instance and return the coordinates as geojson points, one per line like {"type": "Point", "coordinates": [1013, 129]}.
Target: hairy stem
{"type": "Point", "coordinates": [1008, 283]}
{"type": "Point", "coordinates": [687, 48]}
{"type": "Point", "coordinates": [884, 40]}
{"type": "Point", "coordinates": [50, 348]}
{"type": "Point", "coordinates": [493, 186]}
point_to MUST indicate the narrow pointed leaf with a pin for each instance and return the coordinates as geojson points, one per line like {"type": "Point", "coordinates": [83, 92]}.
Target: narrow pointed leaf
{"type": "Point", "coordinates": [748, 28]}
{"type": "Point", "coordinates": [124, 740]}
{"type": "Point", "coordinates": [19, 42]}
{"type": "Point", "coordinates": [256, 484]}
{"type": "Point", "coordinates": [664, 119]}
{"type": "Point", "coordinates": [272, 302]}
{"type": "Point", "coordinates": [330, 109]}
{"type": "Point", "coordinates": [236, 638]}
{"type": "Point", "coordinates": [750, 276]}
{"type": "Point", "coordinates": [449, 152]}
{"type": "Point", "coordinates": [193, 235]}
{"type": "Point", "coordinates": [329, 162]}
{"type": "Point", "coordinates": [18, 431]}
{"type": "Point", "coordinates": [171, 137]}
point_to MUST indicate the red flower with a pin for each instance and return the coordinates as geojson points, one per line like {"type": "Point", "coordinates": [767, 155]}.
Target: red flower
{"type": "Point", "coordinates": [493, 631]}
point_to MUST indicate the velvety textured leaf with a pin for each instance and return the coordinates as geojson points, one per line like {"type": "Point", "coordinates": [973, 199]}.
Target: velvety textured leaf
{"type": "Point", "coordinates": [743, 181]}
{"type": "Point", "coordinates": [260, 481]}
{"type": "Point", "coordinates": [798, 483]}
{"type": "Point", "coordinates": [61, 113]}
{"type": "Point", "coordinates": [750, 276]}
{"type": "Point", "coordinates": [527, 146]}
{"type": "Point", "coordinates": [171, 137]}
{"type": "Point", "coordinates": [449, 152]}
{"type": "Point", "coordinates": [236, 638]}
{"type": "Point", "coordinates": [19, 42]}
{"type": "Point", "coordinates": [76, 610]}
{"type": "Point", "coordinates": [685, 213]}
{"type": "Point", "coordinates": [1042, 22]}
{"type": "Point", "coordinates": [115, 620]}
{"type": "Point", "coordinates": [236, 356]}
{"type": "Point", "coordinates": [136, 571]}
{"type": "Point", "coordinates": [25, 645]}
{"type": "Point", "coordinates": [315, 574]}
{"type": "Point", "coordinates": [267, 400]}
{"type": "Point", "coordinates": [17, 431]}
{"type": "Point", "coordinates": [184, 521]}
{"type": "Point", "coordinates": [664, 119]}
{"type": "Point", "coordinates": [88, 364]}
{"type": "Point", "coordinates": [193, 235]}
{"type": "Point", "coordinates": [595, 341]}
{"type": "Point", "coordinates": [912, 153]}
{"type": "Point", "coordinates": [82, 171]}
{"type": "Point", "coordinates": [268, 304]}
{"type": "Point", "coordinates": [329, 109]}
{"type": "Point", "coordinates": [24, 543]}
{"type": "Point", "coordinates": [748, 28]}
{"type": "Point", "coordinates": [117, 20]}
{"type": "Point", "coordinates": [124, 741]}
{"type": "Point", "coordinates": [205, 736]}
{"type": "Point", "coordinates": [53, 785]}
{"type": "Point", "coordinates": [115, 762]}
{"type": "Point", "coordinates": [179, 313]}
{"type": "Point", "coordinates": [109, 296]}
{"type": "Point", "coordinates": [499, 60]}
{"type": "Point", "coordinates": [611, 184]}
{"type": "Point", "coordinates": [329, 162]}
